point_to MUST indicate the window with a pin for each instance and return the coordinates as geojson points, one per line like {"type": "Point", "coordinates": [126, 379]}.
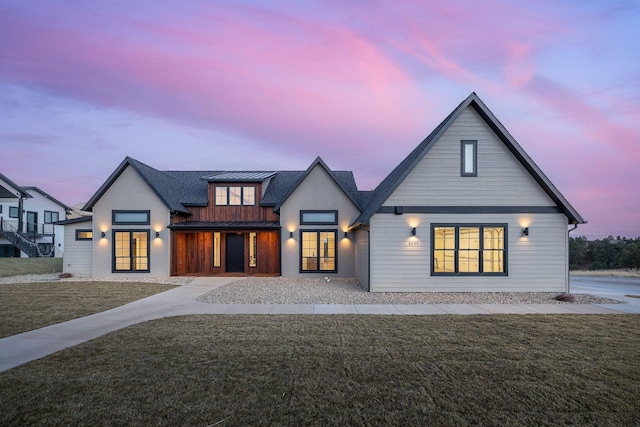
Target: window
{"type": "Point", "coordinates": [319, 217]}
{"type": "Point", "coordinates": [253, 249]}
{"type": "Point", "coordinates": [51, 217]}
{"type": "Point", "coordinates": [13, 212]}
{"type": "Point", "coordinates": [468, 249]}
{"type": "Point", "coordinates": [216, 249]}
{"type": "Point", "coordinates": [130, 217]}
{"type": "Point", "coordinates": [130, 251]}
{"type": "Point", "coordinates": [318, 251]}
{"type": "Point", "coordinates": [235, 196]}
{"type": "Point", "coordinates": [469, 158]}
{"type": "Point", "coordinates": [84, 235]}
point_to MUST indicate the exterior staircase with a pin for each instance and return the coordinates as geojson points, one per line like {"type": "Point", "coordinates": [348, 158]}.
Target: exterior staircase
{"type": "Point", "coordinates": [22, 241]}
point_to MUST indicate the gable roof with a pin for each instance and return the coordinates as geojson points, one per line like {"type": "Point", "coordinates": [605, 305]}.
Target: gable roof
{"type": "Point", "coordinates": [47, 196]}
{"type": "Point", "coordinates": [166, 185]}
{"type": "Point", "coordinates": [397, 175]}
{"type": "Point", "coordinates": [7, 193]}
{"type": "Point", "coordinates": [343, 179]}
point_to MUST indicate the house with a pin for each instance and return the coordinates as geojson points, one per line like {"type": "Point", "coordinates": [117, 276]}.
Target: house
{"type": "Point", "coordinates": [28, 218]}
{"type": "Point", "coordinates": [466, 210]}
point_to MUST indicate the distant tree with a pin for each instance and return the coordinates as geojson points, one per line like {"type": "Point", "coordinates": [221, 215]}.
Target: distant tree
{"type": "Point", "coordinates": [630, 257]}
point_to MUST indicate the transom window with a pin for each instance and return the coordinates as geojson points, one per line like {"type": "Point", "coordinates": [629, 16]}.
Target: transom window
{"type": "Point", "coordinates": [130, 217]}
{"type": "Point", "coordinates": [51, 217]}
{"type": "Point", "coordinates": [469, 249]}
{"type": "Point", "coordinates": [235, 196]}
{"type": "Point", "coordinates": [469, 158]}
{"type": "Point", "coordinates": [84, 234]}
{"type": "Point", "coordinates": [130, 251]}
{"type": "Point", "coordinates": [318, 251]}
{"type": "Point", "coordinates": [319, 217]}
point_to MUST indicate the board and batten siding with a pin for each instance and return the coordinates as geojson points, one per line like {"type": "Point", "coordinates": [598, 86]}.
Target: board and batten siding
{"type": "Point", "coordinates": [537, 263]}
{"type": "Point", "coordinates": [78, 254]}
{"type": "Point", "coordinates": [501, 180]}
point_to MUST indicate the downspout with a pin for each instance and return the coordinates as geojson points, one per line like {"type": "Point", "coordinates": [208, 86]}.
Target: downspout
{"type": "Point", "coordinates": [568, 274]}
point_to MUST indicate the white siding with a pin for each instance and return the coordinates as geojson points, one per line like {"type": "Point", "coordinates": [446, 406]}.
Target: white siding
{"type": "Point", "coordinates": [78, 256]}
{"type": "Point", "coordinates": [501, 180]}
{"type": "Point", "coordinates": [317, 192]}
{"type": "Point", "coordinates": [535, 264]}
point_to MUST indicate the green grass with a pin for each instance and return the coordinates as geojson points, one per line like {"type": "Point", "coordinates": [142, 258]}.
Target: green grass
{"type": "Point", "coordinates": [29, 306]}
{"type": "Point", "coordinates": [339, 370]}
{"type": "Point", "coordinates": [22, 266]}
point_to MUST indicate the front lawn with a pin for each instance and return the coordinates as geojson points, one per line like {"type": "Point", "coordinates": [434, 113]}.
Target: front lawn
{"type": "Point", "coordinates": [237, 370]}
{"type": "Point", "coordinates": [28, 306]}
{"type": "Point", "coordinates": [23, 266]}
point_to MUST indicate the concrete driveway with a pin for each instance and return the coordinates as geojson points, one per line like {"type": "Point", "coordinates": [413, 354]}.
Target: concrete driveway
{"type": "Point", "coordinates": [610, 287]}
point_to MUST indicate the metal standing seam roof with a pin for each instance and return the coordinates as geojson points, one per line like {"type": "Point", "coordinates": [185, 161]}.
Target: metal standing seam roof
{"type": "Point", "coordinates": [240, 176]}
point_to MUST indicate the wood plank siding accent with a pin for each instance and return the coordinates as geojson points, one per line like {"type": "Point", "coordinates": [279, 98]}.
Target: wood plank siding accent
{"type": "Point", "coordinates": [214, 213]}
{"type": "Point", "coordinates": [501, 179]}
{"type": "Point", "coordinates": [192, 253]}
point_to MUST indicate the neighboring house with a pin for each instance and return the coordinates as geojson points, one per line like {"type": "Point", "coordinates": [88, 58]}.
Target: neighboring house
{"type": "Point", "coordinates": [467, 210]}
{"type": "Point", "coordinates": [28, 218]}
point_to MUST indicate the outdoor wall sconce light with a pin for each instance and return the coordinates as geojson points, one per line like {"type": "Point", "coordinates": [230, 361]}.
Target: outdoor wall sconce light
{"type": "Point", "coordinates": [413, 231]}
{"type": "Point", "coordinates": [345, 235]}
{"type": "Point", "coordinates": [291, 234]}
{"type": "Point", "coordinates": [157, 234]}
{"type": "Point", "coordinates": [525, 232]}
{"type": "Point", "coordinates": [104, 234]}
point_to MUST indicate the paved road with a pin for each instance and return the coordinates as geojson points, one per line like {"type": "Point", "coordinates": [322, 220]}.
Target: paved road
{"type": "Point", "coordinates": [609, 287]}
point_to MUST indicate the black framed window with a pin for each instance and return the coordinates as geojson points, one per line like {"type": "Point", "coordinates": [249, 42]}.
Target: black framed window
{"type": "Point", "coordinates": [13, 212]}
{"type": "Point", "coordinates": [131, 217]}
{"type": "Point", "coordinates": [319, 217]}
{"type": "Point", "coordinates": [318, 251]}
{"type": "Point", "coordinates": [50, 217]}
{"type": "Point", "coordinates": [130, 251]}
{"type": "Point", "coordinates": [469, 249]}
{"type": "Point", "coordinates": [469, 158]}
{"type": "Point", "coordinates": [84, 235]}
{"type": "Point", "coordinates": [235, 196]}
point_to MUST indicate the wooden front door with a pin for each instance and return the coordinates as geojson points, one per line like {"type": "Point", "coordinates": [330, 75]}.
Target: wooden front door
{"type": "Point", "coordinates": [235, 253]}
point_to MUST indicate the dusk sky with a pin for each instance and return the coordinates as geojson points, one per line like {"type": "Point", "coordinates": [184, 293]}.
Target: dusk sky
{"type": "Point", "coordinates": [270, 85]}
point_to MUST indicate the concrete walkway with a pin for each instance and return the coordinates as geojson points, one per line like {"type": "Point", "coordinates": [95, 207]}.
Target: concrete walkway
{"type": "Point", "coordinates": [22, 348]}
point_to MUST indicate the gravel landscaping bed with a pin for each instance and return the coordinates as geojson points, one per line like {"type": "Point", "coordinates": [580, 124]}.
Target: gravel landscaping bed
{"type": "Point", "coordinates": [272, 290]}
{"type": "Point", "coordinates": [54, 277]}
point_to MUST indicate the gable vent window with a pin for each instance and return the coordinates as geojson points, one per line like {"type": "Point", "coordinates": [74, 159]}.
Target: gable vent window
{"type": "Point", "coordinates": [469, 158]}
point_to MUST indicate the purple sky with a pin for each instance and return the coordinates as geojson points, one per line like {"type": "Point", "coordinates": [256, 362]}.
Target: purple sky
{"type": "Point", "coordinates": [271, 85]}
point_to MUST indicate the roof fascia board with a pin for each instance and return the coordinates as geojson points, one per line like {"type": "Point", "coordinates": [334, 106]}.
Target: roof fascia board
{"type": "Point", "coordinates": [316, 162]}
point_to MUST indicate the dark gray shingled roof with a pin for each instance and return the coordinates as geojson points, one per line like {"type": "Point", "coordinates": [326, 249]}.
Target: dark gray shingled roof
{"type": "Point", "coordinates": [393, 180]}
{"type": "Point", "coordinates": [180, 189]}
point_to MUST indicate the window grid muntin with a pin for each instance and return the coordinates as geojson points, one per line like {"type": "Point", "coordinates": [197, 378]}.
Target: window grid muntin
{"type": "Point", "coordinates": [318, 251]}
{"type": "Point", "coordinates": [235, 195]}
{"type": "Point", "coordinates": [446, 260]}
{"type": "Point", "coordinates": [131, 251]}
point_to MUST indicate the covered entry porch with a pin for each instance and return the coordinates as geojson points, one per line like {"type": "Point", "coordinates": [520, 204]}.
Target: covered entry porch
{"type": "Point", "coordinates": [225, 248]}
